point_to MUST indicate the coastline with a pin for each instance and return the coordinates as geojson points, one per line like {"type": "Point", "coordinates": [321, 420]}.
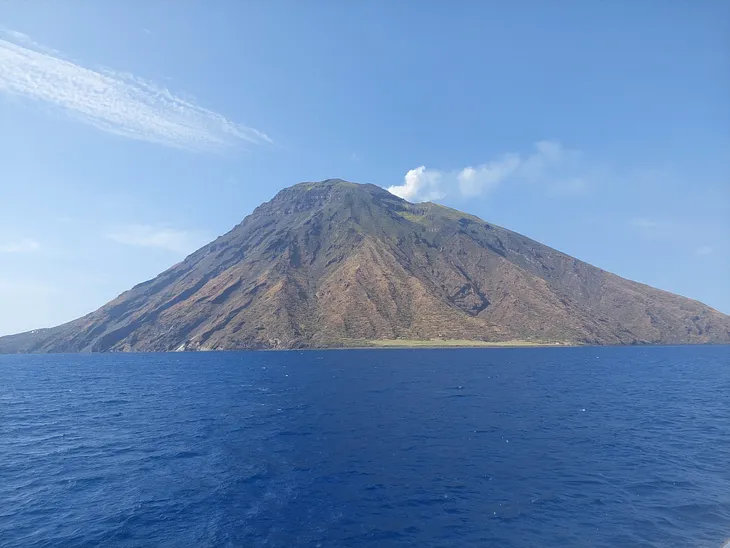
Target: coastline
{"type": "Point", "coordinates": [423, 345]}
{"type": "Point", "coordinates": [458, 343]}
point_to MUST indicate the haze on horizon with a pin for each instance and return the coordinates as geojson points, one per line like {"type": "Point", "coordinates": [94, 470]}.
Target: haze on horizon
{"type": "Point", "coordinates": [130, 136]}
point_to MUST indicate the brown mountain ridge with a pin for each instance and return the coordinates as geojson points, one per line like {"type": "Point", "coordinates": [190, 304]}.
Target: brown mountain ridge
{"type": "Point", "coordinates": [336, 264]}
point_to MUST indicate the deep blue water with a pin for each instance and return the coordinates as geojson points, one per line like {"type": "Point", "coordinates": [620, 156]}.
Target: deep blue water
{"type": "Point", "coordinates": [492, 447]}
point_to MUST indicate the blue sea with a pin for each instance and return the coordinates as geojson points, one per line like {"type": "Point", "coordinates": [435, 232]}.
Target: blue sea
{"type": "Point", "coordinates": [548, 447]}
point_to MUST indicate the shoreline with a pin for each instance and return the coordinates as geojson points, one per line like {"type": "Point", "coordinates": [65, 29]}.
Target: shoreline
{"type": "Point", "coordinates": [452, 343]}
{"type": "Point", "coordinates": [506, 345]}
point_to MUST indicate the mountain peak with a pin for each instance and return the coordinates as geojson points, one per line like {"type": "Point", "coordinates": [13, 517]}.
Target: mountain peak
{"type": "Point", "coordinates": [336, 263]}
{"type": "Point", "coordinates": [332, 194]}
{"type": "Point", "coordinates": [333, 185]}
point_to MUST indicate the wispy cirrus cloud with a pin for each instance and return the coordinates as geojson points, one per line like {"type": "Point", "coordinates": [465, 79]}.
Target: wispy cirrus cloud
{"type": "Point", "coordinates": [170, 239]}
{"type": "Point", "coordinates": [549, 163]}
{"type": "Point", "coordinates": [118, 103]}
{"type": "Point", "coordinates": [24, 245]}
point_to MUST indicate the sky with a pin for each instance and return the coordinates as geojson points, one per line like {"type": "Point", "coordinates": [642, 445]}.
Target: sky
{"type": "Point", "coordinates": [132, 133]}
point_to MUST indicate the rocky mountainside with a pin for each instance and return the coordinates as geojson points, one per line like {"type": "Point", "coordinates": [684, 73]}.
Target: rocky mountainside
{"type": "Point", "coordinates": [340, 264]}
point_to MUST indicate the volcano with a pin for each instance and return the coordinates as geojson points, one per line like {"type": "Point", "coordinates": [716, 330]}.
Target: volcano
{"type": "Point", "coordinates": [339, 264]}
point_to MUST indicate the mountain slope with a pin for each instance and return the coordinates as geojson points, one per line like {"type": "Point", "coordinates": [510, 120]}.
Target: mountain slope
{"type": "Point", "coordinates": [337, 263]}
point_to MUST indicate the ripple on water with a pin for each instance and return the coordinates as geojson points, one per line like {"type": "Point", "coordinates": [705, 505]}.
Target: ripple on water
{"type": "Point", "coordinates": [496, 447]}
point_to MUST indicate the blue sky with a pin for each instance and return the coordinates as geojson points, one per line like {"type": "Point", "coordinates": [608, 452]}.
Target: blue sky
{"type": "Point", "coordinates": [132, 133]}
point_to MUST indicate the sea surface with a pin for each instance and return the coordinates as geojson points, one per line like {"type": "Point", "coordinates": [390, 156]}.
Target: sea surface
{"type": "Point", "coordinates": [534, 447]}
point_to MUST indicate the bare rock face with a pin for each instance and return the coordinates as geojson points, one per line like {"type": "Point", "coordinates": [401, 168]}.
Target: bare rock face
{"type": "Point", "coordinates": [336, 264]}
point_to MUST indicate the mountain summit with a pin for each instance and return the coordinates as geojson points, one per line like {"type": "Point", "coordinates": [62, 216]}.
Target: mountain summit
{"type": "Point", "coordinates": [335, 263]}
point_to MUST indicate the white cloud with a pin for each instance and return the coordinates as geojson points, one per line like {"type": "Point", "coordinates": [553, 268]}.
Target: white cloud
{"type": "Point", "coordinates": [420, 185]}
{"type": "Point", "coordinates": [25, 245]}
{"type": "Point", "coordinates": [550, 163]}
{"type": "Point", "coordinates": [114, 102]}
{"type": "Point", "coordinates": [703, 250]}
{"type": "Point", "coordinates": [178, 241]}
{"type": "Point", "coordinates": [474, 181]}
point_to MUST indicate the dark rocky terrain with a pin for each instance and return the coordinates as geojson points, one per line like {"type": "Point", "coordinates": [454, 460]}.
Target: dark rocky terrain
{"type": "Point", "coordinates": [339, 264]}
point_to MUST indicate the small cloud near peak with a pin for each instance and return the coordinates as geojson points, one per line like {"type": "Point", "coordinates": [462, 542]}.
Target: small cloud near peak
{"type": "Point", "coordinates": [420, 185]}
{"type": "Point", "coordinates": [549, 164]}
